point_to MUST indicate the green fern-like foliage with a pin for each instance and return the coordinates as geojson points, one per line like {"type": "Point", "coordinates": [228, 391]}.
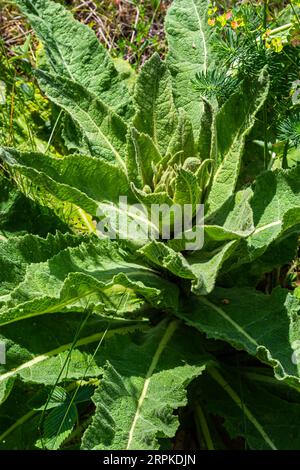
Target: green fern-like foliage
{"type": "Point", "coordinates": [245, 48]}
{"type": "Point", "coordinates": [289, 130]}
{"type": "Point", "coordinates": [216, 84]}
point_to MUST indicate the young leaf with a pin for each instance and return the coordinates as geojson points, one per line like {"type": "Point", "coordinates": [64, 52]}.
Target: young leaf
{"type": "Point", "coordinates": [142, 155]}
{"type": "Point", "coordinates": [187, 190]}
{"type": "Point", "coordinates": [231, 128]}
{"type": "Point", "coordinates": [183, 139]}
{"type": "Point", "coordinates": [190, 41]}
{"type": "Point", "coordinates": [160, 198]}
{"type": "Point", "coordinates": [155, 111]}
{"type": "Point", "coordinates": [207, 136]}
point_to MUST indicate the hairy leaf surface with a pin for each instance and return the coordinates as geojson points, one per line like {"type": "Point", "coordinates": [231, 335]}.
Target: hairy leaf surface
{"type": "Point", "coordinates": [143, 383]}
{"type": "Point", "coordinates": [190, 51]}
{"type": "Point", "coordinates": [74, 52]}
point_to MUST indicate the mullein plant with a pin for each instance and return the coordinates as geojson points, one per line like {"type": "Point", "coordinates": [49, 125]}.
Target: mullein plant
{"type": "Point", "coordinates": [115, 344]}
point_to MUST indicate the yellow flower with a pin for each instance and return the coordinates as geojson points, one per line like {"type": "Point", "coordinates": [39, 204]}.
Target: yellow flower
{"type": "Point", "coordinates": [212, 11]}
{"type": "Point", "coordinates": [275, 44]}
{"type": "Point", "coordinates": [237, 23]}
{"type": "Point", "coordinates": [211, 21]}
{"type": "Point", "coordinates": [222, 20]}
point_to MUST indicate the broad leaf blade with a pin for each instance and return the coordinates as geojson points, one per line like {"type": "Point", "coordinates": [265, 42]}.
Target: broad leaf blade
{"type": "Point", "coordinates": [155, 111]}
{"type": "Point", "coordinates": [231, 128]}
{"type": "Point", "coordinates": [146, 391]}
{"type": "Point", "coordinates": [104, 131]}
{"type": "Point", "coordinates": [263, 325]}
{"type": "Point", "coordinates": [37, 353]}
{"type": "Point", "coordinates": [17, 253]}
{"type": "Point", "coordinates": [190, 51]}
{"type": "Point", "coordinates": [77, 179]}
{"type": "Point", "coordinates": [251, 410]}
{"type": "Point", "coordinates": [276, 207]}
{"type": "Point", "coordinates": [19, 214]}
{"type": "Point", "coordinates": [98, 273]}
{"type": "Point", "coordinates": [201, 267]}
{"type": "Point", "coordinates": [74, 52]}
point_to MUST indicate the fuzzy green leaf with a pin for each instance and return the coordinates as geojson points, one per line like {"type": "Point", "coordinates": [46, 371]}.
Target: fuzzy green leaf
{"type": "Point", "coordinates": [78, 179]}
{"type": "Point", "coordinates": [144, 382]}
{"type": "Point", "coordinates": [190, 41]}
{"type": "Point", "coordinates": [19, 214]}
{"type": "Point", "coordinates": [142, 155]}
{"type": "Point", "coordinates": [155, 110]}
{"type": "Point", "coordinates": [74, 52]}
{"type": "Point", "coordinates": [98, 272]}
{"type": "Point", "coordinates": [263, 325]}
{"type": "Point", "coordinates": [187, 190]}
{"type": "Point", "coordinates": [201, 267]}
{"type": "Point", "coordinates": [183, 139]}
{"type": "Point", "coordinates": [104, 131]}
{"type": "Point", "coordinates": [248, 408]}
{"type": "Point", "coordinates": [17, 252]}
{"type": "Point", "coordinates": [231, 128]}
{"type": "Point", "coordinates": [276, 208]}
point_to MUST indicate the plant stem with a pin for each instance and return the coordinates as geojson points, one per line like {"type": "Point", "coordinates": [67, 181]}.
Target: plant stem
{"type": "Point", "coordinates": [53, 131]}
{"type": "Point", "coordinates": [201, 421]}
{"type": "Point", "coordinates": [284, 156]}
{"type": "Point", "coordinates": [295, 13]}
{"type": "Point", "coordinates": [265, 123]}
{"type": "Point", "coordinates": [280, 29]}
{"type": "Point", "coordinates": [265, 13]}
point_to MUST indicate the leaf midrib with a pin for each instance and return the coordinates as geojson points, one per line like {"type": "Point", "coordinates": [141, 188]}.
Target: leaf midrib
{"type": "Point", "coordinates": [110, 146]}
{"type": "Point", "coordinates": [202, 35]}
{"type": "Point", "coordinates": [160, 348]}
{"type": "Point", "coordinates": [237, 327]}
{"type": "Point", "coordinates": [215, 374]}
